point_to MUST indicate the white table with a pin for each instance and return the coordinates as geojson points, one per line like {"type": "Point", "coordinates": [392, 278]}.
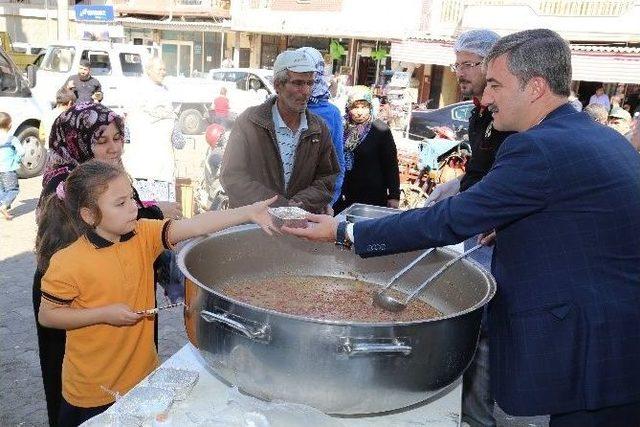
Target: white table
{"type": "Point", "coordinates": [210, 395]}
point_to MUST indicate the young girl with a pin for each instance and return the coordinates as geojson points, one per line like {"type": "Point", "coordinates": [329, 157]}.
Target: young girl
{"type": "Point", "coordinates": [96, 287]}
{"type": "Point", "coordinates": [11, 153]}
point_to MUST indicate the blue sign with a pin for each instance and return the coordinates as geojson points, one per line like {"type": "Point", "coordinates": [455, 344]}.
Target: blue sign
{"type": "Point", "coordinates": [94, 13]}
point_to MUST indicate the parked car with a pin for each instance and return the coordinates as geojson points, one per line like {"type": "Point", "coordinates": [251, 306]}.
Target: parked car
{"type": "Point", "coordinates": [455, 116]}
{"type": "Point", "coordinates": [245, 78]}
{"type": "Point", "coordinates": [16, 98]}
{"type": "Point", "coordinates": [119, 67]}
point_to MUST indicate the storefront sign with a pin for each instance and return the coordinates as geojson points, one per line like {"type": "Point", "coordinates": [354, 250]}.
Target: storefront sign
{"type": "Point", "coordinates": [94, 13]}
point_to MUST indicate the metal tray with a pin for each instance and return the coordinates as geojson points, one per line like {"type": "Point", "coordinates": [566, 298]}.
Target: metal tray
{"type": "Point", "coordinates": [361, 212]}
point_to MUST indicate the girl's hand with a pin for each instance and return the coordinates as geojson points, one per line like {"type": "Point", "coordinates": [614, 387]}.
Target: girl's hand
{"type": "Point", "coordinates": [259, 214]}
{"type": "Point", "coordinates": [120, 315]}
{"type": "Point", "coordinates": [170, 210]}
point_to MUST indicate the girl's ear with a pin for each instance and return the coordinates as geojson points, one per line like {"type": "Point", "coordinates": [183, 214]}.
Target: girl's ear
{"type": "Point", "coordinates": [88, 217]}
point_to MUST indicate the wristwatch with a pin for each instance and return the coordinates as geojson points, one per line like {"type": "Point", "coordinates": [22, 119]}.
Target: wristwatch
{"type": "Point", "coordinates": [341, 235]}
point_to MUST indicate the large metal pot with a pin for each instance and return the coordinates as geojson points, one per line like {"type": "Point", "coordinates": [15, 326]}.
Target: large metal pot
{"type": "Point", "coordinates": [337, 367]}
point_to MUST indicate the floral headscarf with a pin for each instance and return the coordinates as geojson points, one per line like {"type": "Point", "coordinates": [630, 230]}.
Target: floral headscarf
{"type": "Point", "coordinates": [320, 90]}
{"type": "Point", "coordinates": [72, 135]}
{"type": "Point", "coordinates": [355, 133]}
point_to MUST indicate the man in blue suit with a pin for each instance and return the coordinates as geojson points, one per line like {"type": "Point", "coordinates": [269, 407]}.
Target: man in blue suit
{"type": "Point", "coordinates": [565, 323]}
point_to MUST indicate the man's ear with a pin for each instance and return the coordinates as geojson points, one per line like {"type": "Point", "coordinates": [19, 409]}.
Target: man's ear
{"type": "Point", "coordinates": [538, 87]}
{"type": "Point", "coordinates": [88, 216]}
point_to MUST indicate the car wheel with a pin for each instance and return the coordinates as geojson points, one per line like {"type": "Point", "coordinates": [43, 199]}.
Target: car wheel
{"type": "Point", "coordinates": [191, 121]}
{"type": "Point", "coordinates": [35, 153]}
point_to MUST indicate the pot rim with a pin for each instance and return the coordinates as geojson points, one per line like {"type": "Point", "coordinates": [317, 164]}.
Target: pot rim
{"type": "Point", "coordinates": [191, 243]}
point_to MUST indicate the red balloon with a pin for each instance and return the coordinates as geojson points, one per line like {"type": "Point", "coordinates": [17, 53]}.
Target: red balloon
{"type": "Point", "coordinates": [213, 134]}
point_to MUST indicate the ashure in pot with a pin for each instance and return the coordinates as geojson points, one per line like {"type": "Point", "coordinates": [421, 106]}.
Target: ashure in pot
{"type": "Point", "coordinates": [339, 367]}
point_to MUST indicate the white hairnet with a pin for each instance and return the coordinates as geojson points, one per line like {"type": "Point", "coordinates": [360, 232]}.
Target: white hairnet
{"type": "Point", "coordinates": [479, 42]}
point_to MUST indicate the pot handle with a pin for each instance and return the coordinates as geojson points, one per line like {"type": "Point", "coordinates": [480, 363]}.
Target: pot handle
{"type": "Point", "coordinates": [351, 348]}
{"type": "Point", "coordinates": [261, 333]}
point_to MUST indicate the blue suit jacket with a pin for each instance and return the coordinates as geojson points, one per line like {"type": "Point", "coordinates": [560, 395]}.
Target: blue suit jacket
{"type": "Point", "coordinates": [564, 325]}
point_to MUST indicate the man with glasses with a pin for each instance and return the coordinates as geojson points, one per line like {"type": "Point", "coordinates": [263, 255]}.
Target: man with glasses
{"type": "Point", "coordinates": [470, 50]}
{"type": "Point", "coordinates": [279, 147]}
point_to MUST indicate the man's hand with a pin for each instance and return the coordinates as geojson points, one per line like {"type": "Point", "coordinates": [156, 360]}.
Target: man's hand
{"type": "Point", "coordinates": [322, 228]}
{"type": "Point", "coordinates": [442, 191]}
{"type": "Point", "coordinates": [487, 239]}
{"type": "Point", "coordinates": [171, 210]}
{"type": "Point", "coordinates": [329, 210]}
{"type": "Point", "coordinates": [393, 203]}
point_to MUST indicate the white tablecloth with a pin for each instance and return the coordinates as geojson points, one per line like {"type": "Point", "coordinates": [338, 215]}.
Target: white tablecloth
{"type": "Point", "coordinates": [210, 396]}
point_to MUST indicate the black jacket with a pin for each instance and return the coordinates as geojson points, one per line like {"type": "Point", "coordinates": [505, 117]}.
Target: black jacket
{"type": "Point", "coordinates": [375, 177]}
{"type": "Point", "coordinates": [483, 146]}
{"type": "Point", "coordinates": [84, 88]}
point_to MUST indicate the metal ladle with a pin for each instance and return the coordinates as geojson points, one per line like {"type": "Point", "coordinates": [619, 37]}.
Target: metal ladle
{"type": "Point", "coordinates": [389, 303]}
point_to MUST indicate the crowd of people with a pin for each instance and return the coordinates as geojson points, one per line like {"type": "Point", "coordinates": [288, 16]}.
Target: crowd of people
{"type": "Point", "coordinates": [552, 194]}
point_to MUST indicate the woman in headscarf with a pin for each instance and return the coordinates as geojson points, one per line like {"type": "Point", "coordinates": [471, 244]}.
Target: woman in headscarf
{"type": "Point", "coordinates": [370, 156]}
{"type": "Point", "coordinates": [84, 132]}
{"type": "Point", "coordinates": [319, 104]}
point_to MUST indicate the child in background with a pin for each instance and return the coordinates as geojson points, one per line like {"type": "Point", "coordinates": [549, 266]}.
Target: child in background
{"type": "Point", "coordinates": [98, 287]}
{"type": "Point", "coordinates": [11, 153]}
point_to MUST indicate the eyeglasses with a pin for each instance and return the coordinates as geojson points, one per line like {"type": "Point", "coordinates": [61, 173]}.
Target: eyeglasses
{"type": "Point", "coordinates": [300, 83]}
{"type": "Point", "coordinates": [464, 66]}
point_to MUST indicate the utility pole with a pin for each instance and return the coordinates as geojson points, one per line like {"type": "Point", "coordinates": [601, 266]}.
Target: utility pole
{"type": "Point", "coordinates": [63, 20]}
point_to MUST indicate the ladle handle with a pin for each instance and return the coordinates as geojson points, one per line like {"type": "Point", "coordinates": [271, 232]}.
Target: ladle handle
{"type": "Point", "coordinates": [407, 268]}
{"type": "Point", "coordinates": [442, 269]}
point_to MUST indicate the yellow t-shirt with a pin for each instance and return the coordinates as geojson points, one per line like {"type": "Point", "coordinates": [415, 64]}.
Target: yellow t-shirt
{"type": "Point", "coordinates": [93, 272]}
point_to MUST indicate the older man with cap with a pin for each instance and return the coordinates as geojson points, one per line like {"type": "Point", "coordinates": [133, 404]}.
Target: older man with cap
{"type": "Point", "coordinates": [620, 120]}
{"type": "Point", "coordinates": [470, 49]}
{"type": "Point", "coordinates": [279, 147]}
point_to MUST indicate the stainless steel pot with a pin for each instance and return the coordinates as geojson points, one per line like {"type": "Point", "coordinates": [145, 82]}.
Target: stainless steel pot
{"type": "Point", "coordinates": [337, 367]}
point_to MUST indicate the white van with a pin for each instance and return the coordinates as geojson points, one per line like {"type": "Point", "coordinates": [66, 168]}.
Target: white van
{"type": "Point", "coordinates": [117, 66]}
{"type": "Point", "coordinates": [17, 100]}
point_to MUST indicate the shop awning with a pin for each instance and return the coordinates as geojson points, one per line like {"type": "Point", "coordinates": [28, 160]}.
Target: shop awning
{"type": "Point", "coordinates": [176, 25]}
{"type": "Point", "coordinates": [608, 64]}
{"type": "Point", "coordinates": [436, 52]}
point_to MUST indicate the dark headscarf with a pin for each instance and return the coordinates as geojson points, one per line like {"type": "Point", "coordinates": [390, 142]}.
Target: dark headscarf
{"type": "Point", "coordinates": [73, 134]}
{"type": "Point", "coordinates": [355, 133]}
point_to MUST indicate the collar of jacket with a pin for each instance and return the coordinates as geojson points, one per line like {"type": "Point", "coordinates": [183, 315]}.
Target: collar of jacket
{"type": "Point", "coordinates": [261, 115]}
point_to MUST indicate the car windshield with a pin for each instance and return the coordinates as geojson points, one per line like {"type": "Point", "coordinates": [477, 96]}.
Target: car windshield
{"type": "Point", "coordinates": [59, 58]}
{"type": "Point", "coordinates": [9, 79]}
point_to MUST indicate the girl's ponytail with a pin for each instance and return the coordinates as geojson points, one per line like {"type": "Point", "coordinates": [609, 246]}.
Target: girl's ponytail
{"type": "Point", "coordinates": [57, 229]}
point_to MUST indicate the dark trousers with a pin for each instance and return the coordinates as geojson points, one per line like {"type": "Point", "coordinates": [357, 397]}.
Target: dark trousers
{"type": "Point", "coordinates": [622, 415]}
{"type": "Point", "coordinates": [73, 416]}
{"type": "Point", "coordinates": [51, 351]}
